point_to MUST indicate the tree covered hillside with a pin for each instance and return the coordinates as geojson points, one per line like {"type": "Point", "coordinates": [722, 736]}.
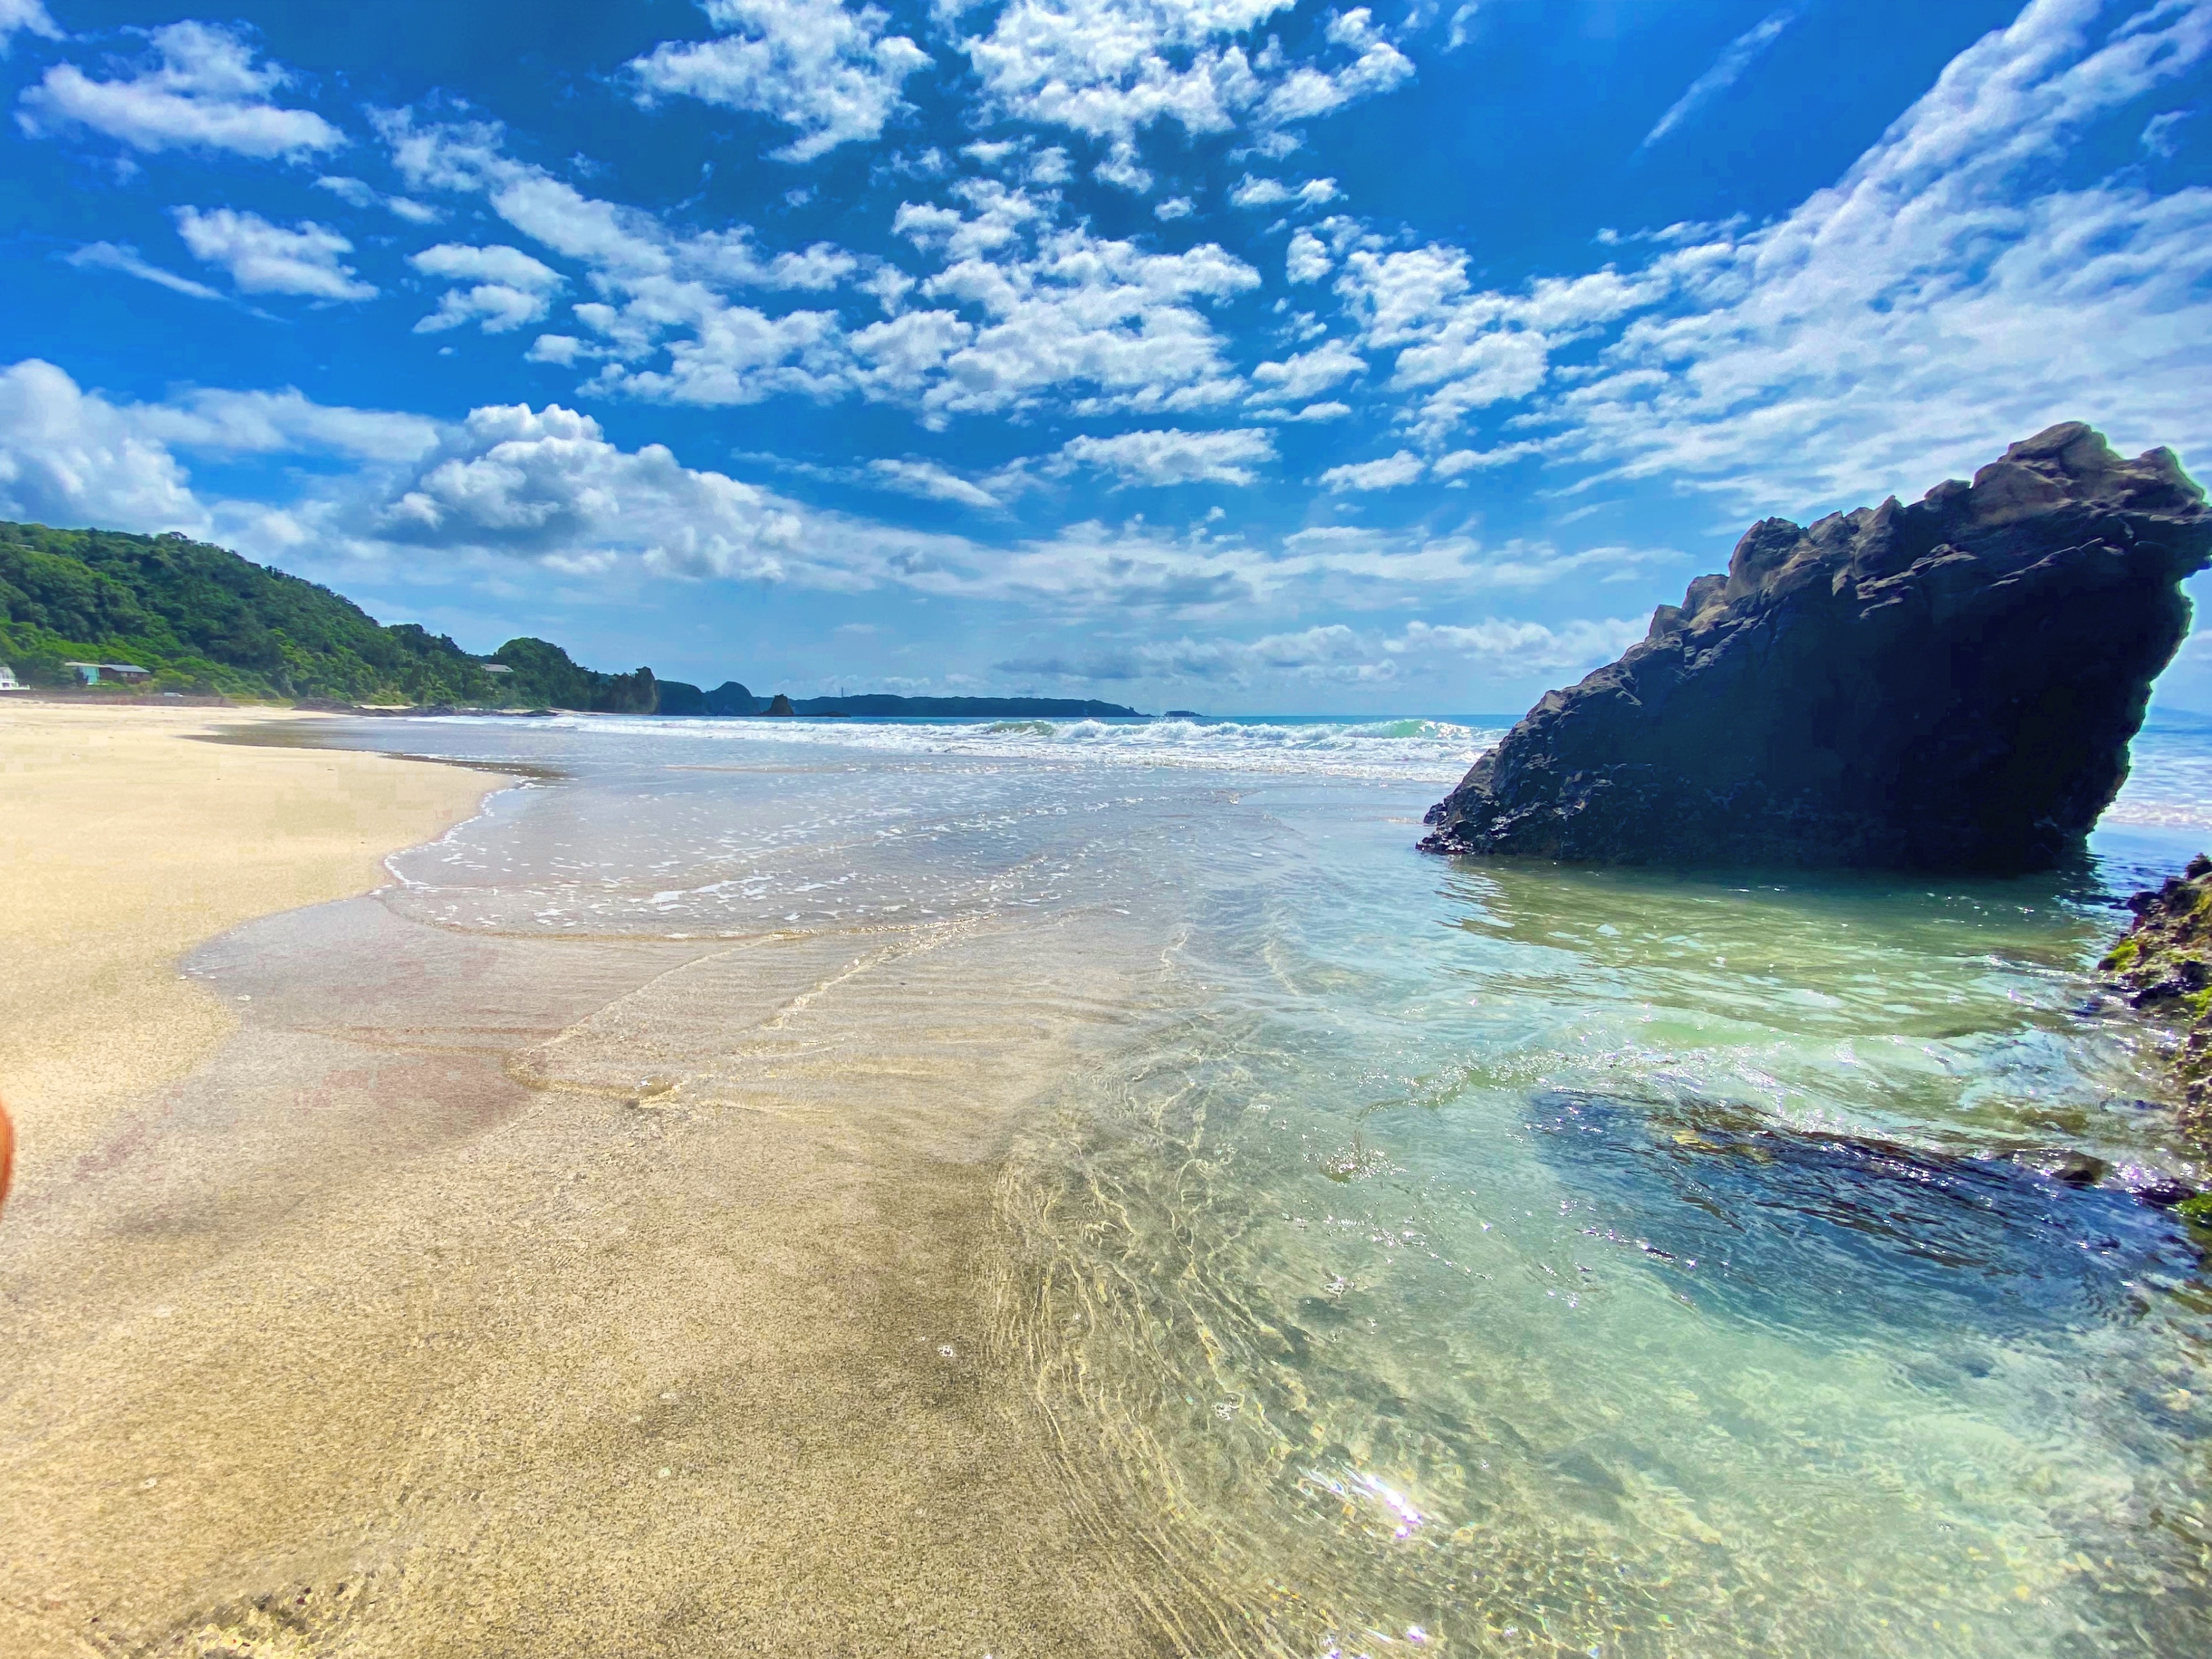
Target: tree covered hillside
{"type": "Point", "coordinates": [205, 620]}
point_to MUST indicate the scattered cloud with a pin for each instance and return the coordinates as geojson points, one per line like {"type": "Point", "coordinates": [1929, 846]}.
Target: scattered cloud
{"type": "Point", "coordinates": [265, 259]}
{"type": "Point", "coordinates": [25, 17]}
{"type": "Point", "coordinates": [121, 256]}
{"type": "Point", "coordinates": [931, 482]}
{"type": "Point", "coordinates": [1300, 376]}
{"type": "Point", "coordinates": [498, 286]}
{"type": "Point", "coordinates": [203, 91]}
{"type": "Point", "coordinates": [1391, 473]}
{"type": "Point", "coordinates": [1727, 69]}
{"type": "Point", "coordinates": [1108, 69]}
{"type": "Point", "coordinates": [1174, 458]}
{"type": "Point", "coordinates": [1307, 260]}
{"type": "Point", "coordinates": [355, 193]}
{"type": "Point", "coordinates": [828, 69]}
{"type": "Point", "coordinates": [1931, 306]}
{"type": "Point", "coordinates": [1494, 648]}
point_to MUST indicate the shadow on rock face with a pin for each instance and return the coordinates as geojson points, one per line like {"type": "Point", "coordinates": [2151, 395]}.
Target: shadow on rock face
{"type": "Point", "coordinates": [1835, 1237]}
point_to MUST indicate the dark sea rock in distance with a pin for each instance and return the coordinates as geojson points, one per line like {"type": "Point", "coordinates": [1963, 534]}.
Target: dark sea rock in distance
{"type": "Point", "coordinates": [781, 705]}
{"type": "Point", "coordinates": [1950, 685]}
{"type": "Point", "coordinates": [676, 697]}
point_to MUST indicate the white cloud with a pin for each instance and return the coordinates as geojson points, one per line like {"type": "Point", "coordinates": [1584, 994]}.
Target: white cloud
{"type": "Point", "coordinates": [25, 17]}
{"type": "Point", "coordinates": [121, 256]}
{"type": "Point", "coordinates": [1391, 473]}
{"type": "Point", "coordinates": [1022, 309]}
{"type": "Point", "coordinates": [827, 69]}
{"type": "Point", "coordinates": [2160, 133]}
{"type": "Point", "coordinates": [1175, 457]}
{"type": "Point", "coordinates": [1309, 259]}
{"type": "Point", "coordinates": [355, 193]}
{"type": "Point", "coordinates": [1328, 411]}
{"type": "Point", "coordinates": [931, 481]}
{"type": "Point", "coordinates": [1511, 649]}
{"type": "Point", "coordinates": [1336, 653]}
{"type": "Point", "coordinates": [1175, 207]}
{"type": "Point", "coordinates": [1308, 91]}
{"type": "Point", "coordinates": [1727, 69]}
{"type": "Point", "coordinates": [1251, 192]}
{"type": "Point", "coordinates": [204, 92]}
{"type": "Point", "coordinates": [266, 258]}
{"type": "Point", "coordinates": [545, 484]}
{"type": "Point", "coordinates": [504, 286]}
{"type": "Point", "coordinates": [1482, 460]}
{"type": "Point", "coordinates": [1110, 67]}
{"type": "Point", "coordinates": [68, 457]}
{"type": "Point", "coordinates": [1960, 287]}
{"type": "Point", "coordinates": [1300, 377]}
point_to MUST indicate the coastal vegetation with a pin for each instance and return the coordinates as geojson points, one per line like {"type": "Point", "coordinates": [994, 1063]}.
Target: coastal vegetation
{"type": "Point", "coordinates": [203, 620]}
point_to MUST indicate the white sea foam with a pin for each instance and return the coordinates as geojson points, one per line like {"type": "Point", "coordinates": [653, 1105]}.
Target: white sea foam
{"type": "Point", "coordinates": [1410, 749]}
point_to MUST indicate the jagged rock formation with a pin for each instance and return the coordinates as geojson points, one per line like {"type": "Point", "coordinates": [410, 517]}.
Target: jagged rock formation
{"type": "Point", "coordinates": [2163, 964]}
{"type": "Point", "coordinates": [1948, 685]}
{"type": "Point", "coordinates": [781, 705]}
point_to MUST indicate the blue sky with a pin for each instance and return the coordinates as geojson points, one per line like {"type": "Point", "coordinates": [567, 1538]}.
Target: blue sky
{"type": "Point", "coordinates": [1225, 354]}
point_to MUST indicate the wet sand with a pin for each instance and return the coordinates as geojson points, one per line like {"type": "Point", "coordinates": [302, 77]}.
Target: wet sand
{"type": "Point", "coordinates": [125, 843]}
{"type": "Point", "coordinates": [488, 1295]}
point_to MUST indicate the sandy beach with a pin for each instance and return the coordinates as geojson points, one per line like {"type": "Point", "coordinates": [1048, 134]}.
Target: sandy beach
{"type": "Point", "coordinates": [128, 841]}
{"type": "Point", "coordinates": [374, 1291]}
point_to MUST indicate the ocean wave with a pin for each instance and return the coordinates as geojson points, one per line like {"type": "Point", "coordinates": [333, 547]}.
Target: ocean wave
{"type": "Point", "coordinates": [1408, 748]}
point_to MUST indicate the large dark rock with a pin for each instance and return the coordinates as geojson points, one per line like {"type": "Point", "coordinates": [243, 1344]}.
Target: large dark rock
{"type": "Point", "coordinates": [1948, 685]}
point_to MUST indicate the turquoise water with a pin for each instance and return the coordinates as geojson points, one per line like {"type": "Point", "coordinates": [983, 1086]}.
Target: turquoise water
{"type": "Point", "coordinates": [1497, 1259]}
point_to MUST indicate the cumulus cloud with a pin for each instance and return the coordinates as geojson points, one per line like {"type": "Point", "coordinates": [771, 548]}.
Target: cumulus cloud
{"type": "Point", "coordinates": [265, 259]}
{"type": "Point", "coordinates": [68, 457]}
{"type": "Point", "coordinates": [501, 287]}
{"type": "Point", "coordinates": [203, 91]}
{"type": "Point", "coordinates": [825, 69]}
{"type": "Point", "coordinates": [1174, 458]}
{"type": "Point", "coordinates": [1110, 67]}
{"type": "Point", "coordinates": [1309, 259]}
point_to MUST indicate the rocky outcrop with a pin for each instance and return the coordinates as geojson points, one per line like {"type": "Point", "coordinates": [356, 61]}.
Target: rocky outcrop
{"type": "Point", "coordinates": [1948, 685]}
{"type": "Point", "coordinates": [2163, 965]}
{"type": "Point", "coordinates": [781, 705]}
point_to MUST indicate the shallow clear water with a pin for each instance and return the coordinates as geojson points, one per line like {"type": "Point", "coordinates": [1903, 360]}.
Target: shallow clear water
{"type": "Point", "coordinates": [1497, 1258]}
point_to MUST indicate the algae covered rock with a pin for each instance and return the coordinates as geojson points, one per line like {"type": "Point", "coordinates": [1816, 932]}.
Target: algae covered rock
{"type": "Point", "coordinates": [1949, 685]}
{"type": "Point", "coordinates": [2163, 964]}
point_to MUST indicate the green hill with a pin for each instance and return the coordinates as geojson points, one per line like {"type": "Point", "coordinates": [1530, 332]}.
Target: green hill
{"type": "Point", "coordinates": [204, 620]}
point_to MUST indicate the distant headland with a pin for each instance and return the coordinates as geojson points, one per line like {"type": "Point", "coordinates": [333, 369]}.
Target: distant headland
{"type": "Point", "coordinates": [167, 615]}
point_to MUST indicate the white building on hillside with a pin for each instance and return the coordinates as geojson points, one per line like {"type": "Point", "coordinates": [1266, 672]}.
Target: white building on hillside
{"type": "Point", "coordinates": [8, 680]}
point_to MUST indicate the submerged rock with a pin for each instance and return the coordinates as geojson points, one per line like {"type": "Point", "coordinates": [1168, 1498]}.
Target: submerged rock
{"type": "Point", "coordinates": [1830, 1233]}
{"type": "Point", "coordinates": [1948, 685]}
{"type": "Point", "coordinates": [2163, 964]}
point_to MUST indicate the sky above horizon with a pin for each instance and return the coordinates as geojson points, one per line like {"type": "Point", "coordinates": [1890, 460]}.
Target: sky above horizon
{"type": "Point", "coordinates": [1229, 354]}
